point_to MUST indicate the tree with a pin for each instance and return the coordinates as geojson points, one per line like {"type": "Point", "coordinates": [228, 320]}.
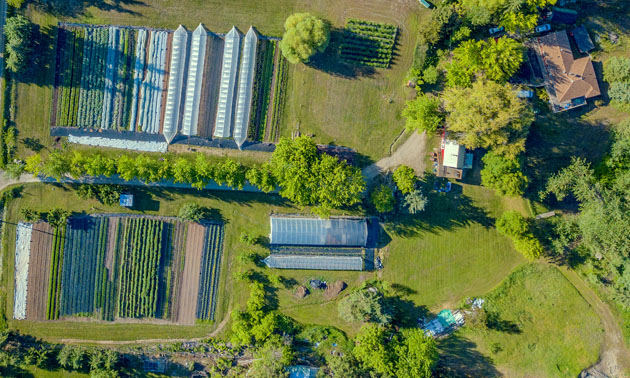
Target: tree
{"type": "Point", "coordinates": [617, 70]}
{"type": "Point", "coordinates": [30, 215]}
{"type": "Point", "coordinates": [512, 224]}
{"type": "Point", "coordinates": [488, 115]}
{"type": "Point", "coordinates": [262, 178]}
{"type": "Point", "coordinates": [371, 350]}
{"type": "Point", "coordinates": [14, 170]}
{"type": "Point", "coordinates": [308, 178]}
{"type": "Point", "coordinates": [382, 198]}
{"type": "Point", "coordinates": [503, 174]}
{"type": "Point", "coordinates": [64, 356]}
{"type": "Point", "coordinates": [405, 179]}
{"type": "Point", "coordinates": [620, 95]}
{"type": "Point", "coordinates": [423, 114]}
{"type": "Point", "coordinates": [304, 36]}
{"type": "Point", "coordinates": [56, 165]}
{"type": "Point", "coordinates": [19, 42]}
{"type": "Point", "coordinates": [192, 212]}
{"type": "Point", "coordinates": [77, 358]}
{"type": "Point", "coordinates": [342, 367]}
{"type": "Point", "coordinates": [365, 305]}
{"type": "Point", "coordinates": [416, 354]}
{"type": "Point", "coordinates": [57, 217]}
{"type": "Point", "coordinates": [126, 167]}
{"type": "Point", "coordinates": [271, 360]}
{"type": "Point", "coordinates": [415, 202]}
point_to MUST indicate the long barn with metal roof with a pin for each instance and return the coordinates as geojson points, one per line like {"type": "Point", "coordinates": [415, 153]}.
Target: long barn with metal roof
{"type": "Point", "coordinates": [332, 232]}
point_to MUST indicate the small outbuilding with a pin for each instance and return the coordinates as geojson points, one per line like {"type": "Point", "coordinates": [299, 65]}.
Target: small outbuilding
{"type": "Point", "coordinates": [564, 16]}
{"type": "Point", "coordinates": [126, 200]}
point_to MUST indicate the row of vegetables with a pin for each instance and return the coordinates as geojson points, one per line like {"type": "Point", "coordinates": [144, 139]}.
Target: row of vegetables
{"type": "Point", "coordinates": [368, 43]}
{"type": "Point", "coordinates": [210, 268]}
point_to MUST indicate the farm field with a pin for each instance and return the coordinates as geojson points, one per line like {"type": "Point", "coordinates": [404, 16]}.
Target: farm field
{"type": "Point", "coordinates": [539, 310]}
{"type": "Point", "coordinates": [115, 268]}
{"type": "Point", "coordinates": [137, 80]}
{"type": "Point", "coordinates": [378, 98]}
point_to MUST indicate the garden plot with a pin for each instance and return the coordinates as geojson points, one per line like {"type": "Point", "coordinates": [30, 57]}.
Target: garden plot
{"type": "Point", "coordinates": [368, 43]}
{"type": "Point", "coordinates": [134, 81]}
{"type": "Point", "coordinates": [118, 267]}
{"type": "Point", "coordinates": [22, 254]}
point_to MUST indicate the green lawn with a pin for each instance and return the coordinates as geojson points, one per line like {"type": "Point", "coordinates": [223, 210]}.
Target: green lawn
{"type": "Point", "coordinates": [361, 111]}
{"type": "Point", "coordinates": [545, 329]}
{"type": "Point", "coordinates": [451, 251]}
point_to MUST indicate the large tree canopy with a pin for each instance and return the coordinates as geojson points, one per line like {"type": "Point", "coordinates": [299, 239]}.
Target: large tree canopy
{"type": "Point", "coordinates": [423, 114]}
{"type": "Point", "coordinates": [304, 36]}
{"type": "Point", "coordinates": [309, 178]}
{"type": "Point", "coordinates": [498, 60]}
{"type": "Point", "coordinates": [503, 174]}
{"type": "Point", "coordinates": [514, 15]}
{"type": "Point", "coordinates": [488, 115]}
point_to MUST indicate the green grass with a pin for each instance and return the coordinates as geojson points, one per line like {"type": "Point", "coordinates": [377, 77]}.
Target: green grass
{"type": "Point", "coordinates": [451, 250]}
{"type": "Point", "coordinates": [549, 330]}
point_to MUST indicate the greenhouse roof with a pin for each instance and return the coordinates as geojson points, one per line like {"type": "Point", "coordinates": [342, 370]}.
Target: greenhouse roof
{"type": "Point", "coordinates": [314, 262]}
{"type": "Point", "coordinates": [245, 84]}
{"type": "Point", "coordinates": [194, 81]}
{"type": "Point", "coordinates": [223, 124]}
{"type": "Point", "coordinates": [175, 83]}
{"type": "Point", "coordinates": [314, 231]}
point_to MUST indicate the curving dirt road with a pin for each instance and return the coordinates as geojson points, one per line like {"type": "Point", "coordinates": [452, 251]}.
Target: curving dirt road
{"type": "Point", "coordinates": [411, 153]}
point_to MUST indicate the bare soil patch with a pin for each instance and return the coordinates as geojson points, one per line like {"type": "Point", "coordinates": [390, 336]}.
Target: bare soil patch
{"type": "Point", "coordinates": [189, 291]}
{"type": "Point", "coordinates": [333, 290]}
{"type": "Point", "coordinates": [411, 153]}
{"type": "Point", "coordinates": [39, 271]}
{"type": "Point", "coordinates": [301, 292]}
{"type": "Point", "coordinates": [112, 243]}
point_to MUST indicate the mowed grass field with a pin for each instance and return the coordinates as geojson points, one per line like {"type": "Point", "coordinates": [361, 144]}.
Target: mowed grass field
{"type": "Point", "coordinates": [360, 110]}
{"type": "Point", "coordinates": [545, 328]}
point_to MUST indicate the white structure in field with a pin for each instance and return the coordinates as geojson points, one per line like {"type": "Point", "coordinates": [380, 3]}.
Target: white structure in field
{"type": "Point", "coordinates": [138, 71]}
{"type": "Point", "coordinates": [22, 255]}
{"type": "Point", "coordinates": [223, 124]}
{"type": "Point", "coordinates": [245, 85]}
{"type": "Point", "coordinates": [195, 80]}
{"type": "Point", "coordinates": [179, 52]}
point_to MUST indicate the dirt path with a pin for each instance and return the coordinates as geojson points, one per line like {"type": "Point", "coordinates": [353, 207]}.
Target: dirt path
{"type": "Point", "coordinates": [411, 153]}
{"type": "Point", "coordinates": [614, 357]}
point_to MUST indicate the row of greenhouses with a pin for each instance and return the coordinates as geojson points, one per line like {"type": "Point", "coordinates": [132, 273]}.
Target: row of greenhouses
{"type": "Point", "coordinates": [142, 80]}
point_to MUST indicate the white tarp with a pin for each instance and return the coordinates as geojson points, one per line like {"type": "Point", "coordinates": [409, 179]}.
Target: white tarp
{"type": "Point", "coordinates": [22, 254]}
{"type": "Point", "coordinates": [119, 143]}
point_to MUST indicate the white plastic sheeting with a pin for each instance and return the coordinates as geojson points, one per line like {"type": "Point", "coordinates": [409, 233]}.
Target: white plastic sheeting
{"type": "Point", "coordinates": [350, 232]}
{"type": "Point", "coordinates": [110, 71]}
{"type": "Point", "coordinates": [223, 124]}
{"type": "Point", "coordinates": [119, 143]}
{"type": "Point", "coordinates": [138, 72]}
{"type": "Point", "coordinates": [152, 86]}
{"type": "Point", "coordinates": [195, 80]}
{"type": "Point", "coordinates": [314, 262]}
{"type": "Point", "coordinates": [245, 84]}
{"type": "Point", "coordinates": [22, 254]}
{"type": "Point", "coordinates": [179, 52]}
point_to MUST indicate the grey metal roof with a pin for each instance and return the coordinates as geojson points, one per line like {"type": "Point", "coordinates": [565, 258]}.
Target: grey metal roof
{"type": "Point", "coordinates": [175, 83]}
{"type": "Point", "coordinates": [245, 84]}
{"type": "Point", "coordinates": [223, 124]}
{"type": "Point", "coordinates": [315, 231]}
{"type": "Point", "coordinates": [314, 262]}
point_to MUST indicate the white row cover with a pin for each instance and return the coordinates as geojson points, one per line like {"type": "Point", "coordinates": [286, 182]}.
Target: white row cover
{"type": "Point", "coordinates": [332, 232]}
{"type": "Point", "coordinates": [22, 255]}
{"type": "Point", "coordinates": [175, 83]}
{"type": "Point", "coordinates": [110, 70]}
{"type": "Point", "coordinates": [222, 127]}
{"type": "Point", "coordinates": [194, 80]}
{"type": "Point", "coordinates": [314, 262]}
{"type": "Point", "coordinates": [245, 85]}
{"type": "Point", "coordinates": [138, 71]}
{"type": "Point", "coordinates": [135, 145]}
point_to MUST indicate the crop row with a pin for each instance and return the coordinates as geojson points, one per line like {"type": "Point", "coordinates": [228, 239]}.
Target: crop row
{"type": "Point", "coordinates": [278, 96]}
{"type": "Point", "coordinates": [92, 77]}
{"type": "Point", "coordinates": [262, 89]}
{"type": "Point", "coordinates": [140, 263]}
{"type": "Point", "coordinates": [79, 270]}
{"type": "Point", "coordinates": [71, 42]}
{"type": "Point", "coordinates": [210, 267]}
{"type": "Point", "coordinates": [101, 271]}
{"type": "Point", "coordinates": [355, 22]}
{"type": "Point", "coordinates": [54, 283]}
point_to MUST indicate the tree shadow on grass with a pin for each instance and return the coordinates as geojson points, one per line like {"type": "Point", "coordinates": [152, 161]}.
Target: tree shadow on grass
{"type": "Point", "coordinates": [331, 63]}
{"type": "Point", "coordinates": [41, 68]}
{"type": "Point", "coordinates": [76, 8]}
{"type": "Point", "coordinates": [459, 358]}
{"type": "Point", "coordinates": [444, 211]}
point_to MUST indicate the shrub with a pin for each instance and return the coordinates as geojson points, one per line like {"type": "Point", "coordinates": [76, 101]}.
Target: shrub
{"type": "Point", "coordinates": [17, 4]}
{"type": "Point", "coordinates": [415, 202]}
{"type": "Point", "coordinates": [30, 215]}
{"type": "Point", "coordinates": [423, 113]}
{"type": "Point", "coordinates": [382, 198]}
{"type": "Point", "coordinates": [529, 246]}
{"type": "Point", "coordinates": [405, 179]}
{"type": "Point", "coordinates": [366, 305]}
{"type": "Point", "coordinates": [248, 238]}
{"type": "Point", "coordinates": [617, 69]}
{"type": "Point", "coordinates": [19, 42]}
{"type": "Point", "coordinates": [503, 174]}
{"type": "Point", "coordinates": [57, 217]}
{"type": "Point", "coordinates": [192, 212]}
{"type": "Point", "coordinates": [512, 224]}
